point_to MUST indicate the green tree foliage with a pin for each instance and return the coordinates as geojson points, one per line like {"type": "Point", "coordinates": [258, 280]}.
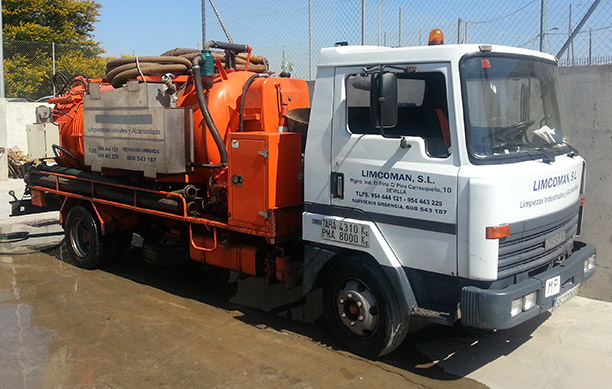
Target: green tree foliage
{"type": "Point", "coordinates": [29, 27]}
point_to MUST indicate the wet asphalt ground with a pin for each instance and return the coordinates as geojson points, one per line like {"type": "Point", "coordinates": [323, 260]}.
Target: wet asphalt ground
{"type": "Point", "coordinates": [135, 325]}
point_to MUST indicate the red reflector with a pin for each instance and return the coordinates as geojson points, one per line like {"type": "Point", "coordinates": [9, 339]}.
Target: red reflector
{"type": "Point", "coordinates": [582, 201]}
{"type": "Point", "coordinates": [486, 64]}
{"type": "Point", "coordinates": [498, 232]}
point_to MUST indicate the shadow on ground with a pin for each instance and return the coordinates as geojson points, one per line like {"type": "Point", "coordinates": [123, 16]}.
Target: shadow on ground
{"type": "Point", "coordinates": [433, 351]}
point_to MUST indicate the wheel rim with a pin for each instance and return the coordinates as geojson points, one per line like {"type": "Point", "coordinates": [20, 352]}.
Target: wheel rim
{"type": "Point", "coordinates": [80, 238]}
{"type": "Point", "coordinates": [357, 308]}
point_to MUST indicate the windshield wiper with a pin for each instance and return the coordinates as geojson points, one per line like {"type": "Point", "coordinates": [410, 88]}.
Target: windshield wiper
{"type": "Point", "coordinates": [548, 158]}
{"type": "Point", "coordinates": [573, 152]}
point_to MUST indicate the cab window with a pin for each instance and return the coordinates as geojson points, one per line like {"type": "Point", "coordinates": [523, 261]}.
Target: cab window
{"type": "Point", "coordinates": [422, 109]}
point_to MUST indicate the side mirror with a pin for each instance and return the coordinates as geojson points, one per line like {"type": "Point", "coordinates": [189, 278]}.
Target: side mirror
{"type": "Point", "coordinates": [383, 100]}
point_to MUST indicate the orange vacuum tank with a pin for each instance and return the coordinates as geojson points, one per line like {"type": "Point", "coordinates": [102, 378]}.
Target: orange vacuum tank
{"type": "Point", "coordinates": [265, 99]}
{"type": "Point", "coordinates": [261, 112]}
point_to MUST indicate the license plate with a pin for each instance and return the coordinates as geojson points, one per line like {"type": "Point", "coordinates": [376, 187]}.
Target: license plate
{"type": "Point", "coordinates": [554, 241]}
{"type": "Point", "coordinates": [552, 286]}
{"type": "Point", "coordinates": [345, 232]}
{"type": "Point", "coordinates": [565, 297]}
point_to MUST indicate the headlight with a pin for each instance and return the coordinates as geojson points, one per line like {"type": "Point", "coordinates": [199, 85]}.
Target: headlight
{"type": "Point", "coordinates": [529, 301]}
{"type": "Point", "coordinates": [589, 264]}
{"type": "Point", "coordinates": [523, 304]}
{"type": "Point", "coordinates": [517, 307]}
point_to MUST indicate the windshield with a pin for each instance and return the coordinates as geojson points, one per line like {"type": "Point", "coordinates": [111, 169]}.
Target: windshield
{"type": "Point", "coordinates": [512, 108]}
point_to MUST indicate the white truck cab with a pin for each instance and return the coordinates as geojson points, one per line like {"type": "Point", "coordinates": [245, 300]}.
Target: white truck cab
{"type": "Point", "coordinates": [439, 183]}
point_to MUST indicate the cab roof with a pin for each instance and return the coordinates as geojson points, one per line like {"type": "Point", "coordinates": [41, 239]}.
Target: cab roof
{"type": "Point", "coordinates": [364, 55]}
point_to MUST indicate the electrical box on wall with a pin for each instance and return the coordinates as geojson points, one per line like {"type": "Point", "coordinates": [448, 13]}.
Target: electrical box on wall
{"type": "Point", "coordinates": [41, 138]}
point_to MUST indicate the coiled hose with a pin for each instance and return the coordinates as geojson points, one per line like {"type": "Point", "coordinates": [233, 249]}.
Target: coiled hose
{"type": "Point", "coordinates": [119, 70]}
{"type": "Point", "coordinates": [176, 61]}
{"type": "Point", "coordinates": [257, 64]}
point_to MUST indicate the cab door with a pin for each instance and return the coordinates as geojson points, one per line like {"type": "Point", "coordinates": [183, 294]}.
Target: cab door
{"type": "Point", "coordinates": [404, 178]}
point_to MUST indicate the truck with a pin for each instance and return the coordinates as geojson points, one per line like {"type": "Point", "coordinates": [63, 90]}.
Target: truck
{"type": "Point", "coordinates": [432, 182]}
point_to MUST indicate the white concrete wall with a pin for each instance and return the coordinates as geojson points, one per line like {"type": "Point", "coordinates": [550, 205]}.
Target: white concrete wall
{"type": "Point", "coordinates": [14, 117]}
{"type": "Point", "coordinates": [587, 92]}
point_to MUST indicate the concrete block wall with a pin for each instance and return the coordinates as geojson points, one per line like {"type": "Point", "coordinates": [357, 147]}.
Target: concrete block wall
{"type": "Point", "coordinates": [587, 92]}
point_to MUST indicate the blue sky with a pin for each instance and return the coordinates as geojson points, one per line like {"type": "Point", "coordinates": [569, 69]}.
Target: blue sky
{"type": "Point", "coordinates": [148, 27]}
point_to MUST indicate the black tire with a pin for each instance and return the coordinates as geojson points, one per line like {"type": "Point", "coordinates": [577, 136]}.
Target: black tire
{"type": "Point", "coordinates": [87, 248]}
{"type": "Point", "coordinates": [165, 252]}
{"type": "Point", "coordinates": [361, 310]}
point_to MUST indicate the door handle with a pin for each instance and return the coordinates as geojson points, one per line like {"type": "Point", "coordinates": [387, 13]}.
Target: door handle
{"type": "Point", "coordinates": [337, 185]}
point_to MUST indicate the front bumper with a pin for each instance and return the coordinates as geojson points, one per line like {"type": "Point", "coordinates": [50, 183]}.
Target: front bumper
{"type": "Point", "coordinates": [490, 309]}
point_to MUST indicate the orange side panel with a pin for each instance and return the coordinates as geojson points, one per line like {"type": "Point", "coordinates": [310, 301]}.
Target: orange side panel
{"type": "Point", "coordinates": [265, 175]}
{"type": "Point", "coordinates": [248, 181]}
{"type": "Point", "coordinates": [262, 101]}
{"type": "Point", "coordinates": [285, 170]}
{"type": "Point", "coordinates": [240, 258]}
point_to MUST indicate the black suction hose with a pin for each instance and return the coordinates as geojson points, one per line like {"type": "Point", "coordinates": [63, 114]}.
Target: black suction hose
{"type": "Point", "coordinates": [247, 84]}
{"type": "Point", "coordinates": [199, 87]}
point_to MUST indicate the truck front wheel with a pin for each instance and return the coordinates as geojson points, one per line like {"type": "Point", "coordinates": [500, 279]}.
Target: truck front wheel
{"type": "Point", "coordinates": [362, 310]}
{"type": "Point", "coordinates": [87, 248]}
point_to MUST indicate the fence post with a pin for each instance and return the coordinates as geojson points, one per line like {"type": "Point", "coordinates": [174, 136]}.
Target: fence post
{"type": "Point", "coordinates": [53, 64]}
{"type": "Point", "coordinates": [543, 23]}
{"type": "Point", "coordinates": [363, 22]}
{"type": "Point", "coordinates": [1, 56]}
{"type": "Point", "coordinates": [399, 40]}
{"type": "Point", "coordinates": [459, 31]}
{"type": "Point", "coordinates": [310, 39]}
{"type": "Point", "coordinates": [203, 6]}
{"type": "Point", "coordinates": [590, 46]}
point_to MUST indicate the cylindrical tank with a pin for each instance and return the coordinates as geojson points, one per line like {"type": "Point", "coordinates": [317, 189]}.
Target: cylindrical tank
{"type": "Point", "coordinates": [68, 115]}
{"type": "Point", "coordinates": [223, 104]}
{"type": "Point", "coordinates": [262, 107]}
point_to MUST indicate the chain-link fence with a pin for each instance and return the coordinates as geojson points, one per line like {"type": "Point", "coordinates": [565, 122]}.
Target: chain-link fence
{"type": "Point", "coordinates": [291, 33]}
{"type": "Point", "coordinates": [29, 67]}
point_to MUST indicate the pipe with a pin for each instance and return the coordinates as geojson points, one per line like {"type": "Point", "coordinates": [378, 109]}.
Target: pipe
{"type": "Point", "coordinates": [192, 207]}
{"type": "Point", "coordinates": [247, 84]}
{"type": "Point", "coordinates": [199, 87]}
{"type": "Point", "coordinates": [235, 47]}
{"type": "Point", "coordinates": [189, 192]}
{"type": "Point", "coordinates": [125, 196]}
{"type": "Point", "coordinates": [68, 153]}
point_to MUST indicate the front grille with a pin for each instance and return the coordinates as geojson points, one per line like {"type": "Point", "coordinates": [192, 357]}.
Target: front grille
{"type": "Point", "coordinates": [525, 248]}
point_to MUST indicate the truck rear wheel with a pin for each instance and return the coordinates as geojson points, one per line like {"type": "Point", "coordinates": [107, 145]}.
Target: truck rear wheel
{"type": "Point", "coordinates": [87, 248]}
{"type": "Point", "coordinates": [361, 310]}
